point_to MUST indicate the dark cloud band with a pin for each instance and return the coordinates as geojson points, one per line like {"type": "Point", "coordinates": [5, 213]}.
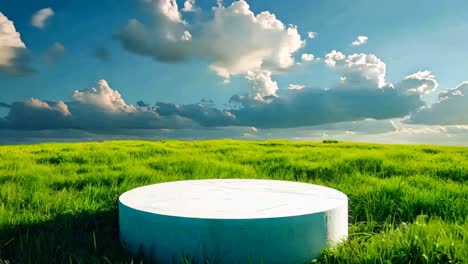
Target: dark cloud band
{"type": "Point", "coordinates": [102, 108]}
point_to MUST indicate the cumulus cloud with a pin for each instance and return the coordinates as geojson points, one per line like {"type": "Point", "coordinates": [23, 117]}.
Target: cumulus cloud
{"type": "Point", "coordinates": [202, 113]}
{"type": "Point", "coordinates": [311, 35]}
{"type": "Point", "coordinates": [186, 36]}
{"type": "Point", "coordinates": [102, 97]}
{"type": "Point", "coordinates": [189, 6]}
{"type": "Point", "coordinates": [361, 40]}
{"type": "Point", "coordinates": [14, 56]}
{"type": "Point", "coordinates": [421, 82]}
{"type": "Point", "coordinates": [362, 94]}
{"type": "Point", "coordinates": [306, 107]}
{"type": "Point", "coordinates": [262, 84]}
{"type": "Point", "coordinates": [40, 17]}
{"type": "Point", "coordinates": [102, 108]}
{"type": "Point", "coordinates": [402, 127]}
{"type": "Point", "coordinates": [367, 71]}
{"type": "Point", "coordinates": [358, 70]}
{"type": "Point", "coordinates": [95, 108]}
{"type": "Point", "coordinates": [451, 109]}
{"type": "Point", "coordinates": [54, 53]}
{"type": "Point", "coordinates": [301, 108]}
{"type": "Point", "coordinates": [307, 57]}
{"type": "Point", "coordinates": [36, 114]}
{"type": "Point", "coordinates": [267, 43]}
{"type": "Point", "coordinates": [9, 36]}
{"type": "Point", "coordinates": [162, 39]}
{"type": "Point", "coordinates": [296, 87]}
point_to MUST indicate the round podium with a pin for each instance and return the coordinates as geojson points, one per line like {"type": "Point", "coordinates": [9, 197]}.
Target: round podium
{"type": "Point", "coordinates": [232, 221]}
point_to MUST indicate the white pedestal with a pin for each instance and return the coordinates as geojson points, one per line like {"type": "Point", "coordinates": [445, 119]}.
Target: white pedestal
{"type": "Point", "coordinates": [232, 221]}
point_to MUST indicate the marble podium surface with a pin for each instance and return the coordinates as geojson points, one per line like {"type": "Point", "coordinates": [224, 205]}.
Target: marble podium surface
{"type": "Point", "coordinates": [232, 221]}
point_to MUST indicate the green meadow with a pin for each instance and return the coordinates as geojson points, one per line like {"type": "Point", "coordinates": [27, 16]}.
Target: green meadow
{"type": "Point", "coordinates": [407, 204]}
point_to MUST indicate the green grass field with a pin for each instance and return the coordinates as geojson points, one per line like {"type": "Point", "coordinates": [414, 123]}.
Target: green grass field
{"type": "Point", "coordinates": [408, 204]}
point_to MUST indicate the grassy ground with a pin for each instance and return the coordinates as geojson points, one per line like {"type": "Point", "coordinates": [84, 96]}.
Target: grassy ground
{"type": "Point", "coordinates": [408, 204]}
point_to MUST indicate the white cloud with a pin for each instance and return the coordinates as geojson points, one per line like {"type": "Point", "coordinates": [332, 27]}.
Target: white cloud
{"type": "Point", "coordinates": [39, 19]}
{"type": "Point", "coordinates": [59, 106]}
{"type": "Point", "coordinates": [358, 70]}
{"type": "Point", "coordinates": [9, 37]}
{"type": "Point", "coordinates": [238, 41]}
{"type": "Point", "coordinates": [421, 82]}
{"type": "Point", "coordinates": [189, 6]}
{"type": "Point", "coordinates": [37, 114]}
{"type": "Point", "coordinates": [103, 97]}
{"type": "Point", "coordinates": [451, 109]}
{"type": "Point", "coordinates": [311, 35]}
{"type": "Point", "coordinates": [296, 86]}
{"type": "Point", "coordinates": [166, 8]}
{"type": "Point", "coordinates": [361, 40]}
{"type": "Point", "coordinates": [333, 57]}
{"type": "Point", "coordinates": [457, 92]}
{"type": "Point", "coordinates": [421, 130]}
{"type": "Point", "coordinates": [262, 84]}
{"type": "Point", "coordinates": [404, 128]}
{"type": "Point", "coordinates": [235, 41]}
{"type": "Point", "coordinates": [103, 108]}
{"type": "Point", "coordinates": [307, 57]}
{"type": "Point", "coordinates": [14, 56]}
{"type": "Point", "coordinates": [164, 38]}
{"type": "Point", "coordinates": [186, 36]}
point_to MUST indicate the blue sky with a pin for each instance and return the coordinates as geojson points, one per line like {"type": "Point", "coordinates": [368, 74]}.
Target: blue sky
{"type": "Point", "coordinates": [406, 36]}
